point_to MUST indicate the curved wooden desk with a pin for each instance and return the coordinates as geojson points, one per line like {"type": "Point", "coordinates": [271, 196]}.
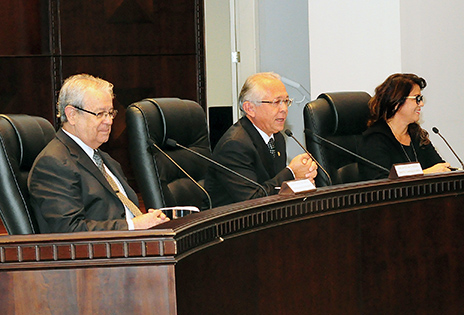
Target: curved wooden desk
{"type": "Point", "coordinates": [384, 247]}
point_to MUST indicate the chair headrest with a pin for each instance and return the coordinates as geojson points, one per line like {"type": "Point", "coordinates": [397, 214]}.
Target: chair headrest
{"type": "Point", "coordinates": [33, 134]}
{"type": "Point", "coordinates": [348, 107]}
{"type": "Point", "coordinates": [171, 111]}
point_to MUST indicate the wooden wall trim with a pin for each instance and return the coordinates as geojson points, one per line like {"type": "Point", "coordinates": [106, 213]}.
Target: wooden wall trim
{"type": "Point", "coordinates": [47, 251]}
{"type": "Point", "coordinates": [200, 52]}
{"type": "Point", "coordinates": [56, 58]}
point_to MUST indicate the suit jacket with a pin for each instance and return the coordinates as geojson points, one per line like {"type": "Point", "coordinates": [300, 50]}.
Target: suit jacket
{"type": "Point", "coordinates": [380, 146]}
{"type": "Point", "coordinates": [68, 193]}
{"type": "Point", "coordinates": [243, 150]}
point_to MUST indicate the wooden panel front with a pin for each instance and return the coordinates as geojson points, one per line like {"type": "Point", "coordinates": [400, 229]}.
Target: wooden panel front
{"type": "Point", "coordinates": [114, 272]}
{"type": "Point", "coordinates": [113, 290]}
{"type": "Point", "coordinates": [308, 267]}
{"type": "Point", "coordinates": [412, 258]}
{"type": "Point", "coordinates": [341, 250]}
{"type": "Point", "coordinates": [380, 247]}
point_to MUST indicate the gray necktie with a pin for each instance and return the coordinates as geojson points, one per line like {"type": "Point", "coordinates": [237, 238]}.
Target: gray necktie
{"type": "Point", "coordinates": [271, 146]}
{"type": "Point", "coordinates": [126, 201]}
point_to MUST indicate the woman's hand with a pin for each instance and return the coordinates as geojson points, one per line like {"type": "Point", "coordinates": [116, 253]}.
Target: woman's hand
{"type": "Point", "coordinates": [438, 168]}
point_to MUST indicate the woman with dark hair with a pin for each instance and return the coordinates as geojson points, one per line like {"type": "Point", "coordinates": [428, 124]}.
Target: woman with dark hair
{"type": "Point", "coordinates": [394, 134]}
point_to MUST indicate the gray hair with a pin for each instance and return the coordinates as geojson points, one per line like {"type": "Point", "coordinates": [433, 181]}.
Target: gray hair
{"type": "Point", "coordinates": [252, 88]}
{"type": "Point", "coordinates": [74, 89]}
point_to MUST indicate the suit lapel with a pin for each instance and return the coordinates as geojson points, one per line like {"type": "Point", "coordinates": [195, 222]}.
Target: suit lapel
{"type": "Point", "coordinates": [281, 159]}
{"type": "Point", "coordinates": [84, 160]}
{"type": "Point", "coordinates": [260, 145]}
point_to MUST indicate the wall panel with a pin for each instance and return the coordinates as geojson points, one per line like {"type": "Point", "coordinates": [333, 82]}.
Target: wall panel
{"type": "Point", "coordinates": [146, 48]}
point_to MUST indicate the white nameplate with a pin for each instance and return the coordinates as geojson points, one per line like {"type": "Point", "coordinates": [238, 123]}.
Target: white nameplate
{"type": "Point", "coordinates": [405, 169]}
{"type": "Point", "coordinates": [296, 187]}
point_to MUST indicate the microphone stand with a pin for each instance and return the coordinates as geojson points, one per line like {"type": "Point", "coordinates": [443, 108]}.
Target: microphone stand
{"type": "Point", "coordinates": [290, 134]}
{"type": "Point", "coordinates": [435, 129]}
{"type": "Point", "coordinates": [151, 142]}
{"type": "Point", "coordinates": [173, 143]}
{"type": "Point", "coordinates": [347, 151]}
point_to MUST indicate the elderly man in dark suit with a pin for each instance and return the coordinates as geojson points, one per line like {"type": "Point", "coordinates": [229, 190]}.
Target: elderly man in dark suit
{"type": "Point", "coordinates": [73, 185]}
{"type": "Point", "coordinates": [254, 146]}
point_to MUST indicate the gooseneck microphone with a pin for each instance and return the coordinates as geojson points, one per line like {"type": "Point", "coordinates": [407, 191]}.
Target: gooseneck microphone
{"type": "Point", "coordinates": [435, 129]}
{"type": "Point", "coordinates": [289, 133]}
{"type": "Point", "coordinates": [151, 142]}
{"type": "Point", "coordinates": [347, 151]}
{"type": "Point", "coordinates": [173, 143]}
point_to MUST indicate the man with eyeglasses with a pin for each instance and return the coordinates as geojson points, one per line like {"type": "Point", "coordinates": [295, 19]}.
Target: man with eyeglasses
{"type": "Point", "coordinates": [73, 185]}
{"type": "Point", "coordinates": [254, 146]}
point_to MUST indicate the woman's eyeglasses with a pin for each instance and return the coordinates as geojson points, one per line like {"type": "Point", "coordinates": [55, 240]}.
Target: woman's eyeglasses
{"type": "Point", "coordinates": [418, 98]}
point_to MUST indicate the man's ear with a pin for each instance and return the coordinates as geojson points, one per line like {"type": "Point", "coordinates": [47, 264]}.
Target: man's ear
{"type": "Point", "coordinates": [70, 113]}
{"type": "Point", "coordinates": [249, 108]}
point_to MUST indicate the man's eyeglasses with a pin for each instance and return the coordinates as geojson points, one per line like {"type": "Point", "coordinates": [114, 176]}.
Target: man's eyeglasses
{"type": "Point", "coordinates": [100, 115]}
{"type": "Point", "coordinates": [287, 102]}
{"type": "Point", "coordinates": [418, 98]}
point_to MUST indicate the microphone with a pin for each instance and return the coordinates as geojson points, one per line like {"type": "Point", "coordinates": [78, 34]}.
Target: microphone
{"type": "Point", "coordinates": [151, 142]}
{"type": "Point", "coordinates": [435, 129]}
{"type": "Point", "coordinates": [347, 151]}
{"type": "Point", "coordinates": [289, 133]}
{"type": "Point", "coordinates": [173, 143]}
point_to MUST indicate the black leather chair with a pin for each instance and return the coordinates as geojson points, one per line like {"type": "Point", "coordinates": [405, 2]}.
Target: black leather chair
{"type": "Point", "coordinates": [340, 117]}
{"type": "Point", "coordinates": [22, 137]}
{"type": "Point", "coordinates": [160, 181]}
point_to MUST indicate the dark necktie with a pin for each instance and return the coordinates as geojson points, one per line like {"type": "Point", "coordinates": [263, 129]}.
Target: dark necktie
{"type": "Point", "coordinates": [272, 149]}
{"type": "Point", "coordinates": [126, 201]}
